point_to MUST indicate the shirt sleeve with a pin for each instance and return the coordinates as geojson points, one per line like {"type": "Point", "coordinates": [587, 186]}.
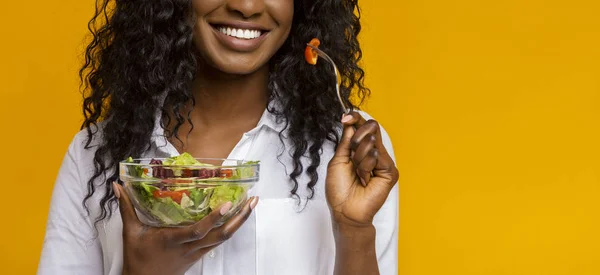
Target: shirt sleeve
{"type": "Point", "coordinates": [386, 221]}
{"type": "Point", "coordinates": [71, 245]}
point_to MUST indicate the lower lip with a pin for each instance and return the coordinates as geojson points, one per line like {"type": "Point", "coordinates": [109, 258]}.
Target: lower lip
{"type": "Point", "coordinates": [239, 44]}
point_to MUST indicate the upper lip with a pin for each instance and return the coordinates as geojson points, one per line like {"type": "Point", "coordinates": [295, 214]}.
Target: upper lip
{"type": "Point", "coordinates": [240, 25]}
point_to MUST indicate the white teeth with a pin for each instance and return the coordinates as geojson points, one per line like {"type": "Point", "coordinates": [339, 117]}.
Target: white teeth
{"type": "Point", "coordinates": [240, 33]}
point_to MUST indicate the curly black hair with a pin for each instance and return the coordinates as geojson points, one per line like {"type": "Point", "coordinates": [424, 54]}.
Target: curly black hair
{"type": "Point", "coordinates": [141, 62]}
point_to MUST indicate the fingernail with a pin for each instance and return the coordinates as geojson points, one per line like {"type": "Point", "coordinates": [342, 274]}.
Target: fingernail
{"type": "Point", "coordinates": [254, 202]}
{"type": "Point", "coordinates": [363, 182]}
{"type": "Point", "coordinates": [116, 190]}
{"type": "Point", "coordinates": [225, 208]}
{"type": "Point", "coordinates": [346, 118]}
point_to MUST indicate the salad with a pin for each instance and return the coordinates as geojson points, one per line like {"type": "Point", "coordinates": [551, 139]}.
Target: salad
{"type": "Point", "coordinates": [182, 190]}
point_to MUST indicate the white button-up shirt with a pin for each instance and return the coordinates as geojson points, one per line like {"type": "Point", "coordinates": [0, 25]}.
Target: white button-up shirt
{"type": "Point", "coordinates": [283, 236]}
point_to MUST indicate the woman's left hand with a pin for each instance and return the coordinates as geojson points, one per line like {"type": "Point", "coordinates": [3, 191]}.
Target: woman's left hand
{"type": "Point", "coordinates": [361, 174]}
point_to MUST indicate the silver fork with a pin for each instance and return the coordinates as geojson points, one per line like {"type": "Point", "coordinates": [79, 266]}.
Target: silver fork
{"type": "Point", "coordinates": [337, 76]}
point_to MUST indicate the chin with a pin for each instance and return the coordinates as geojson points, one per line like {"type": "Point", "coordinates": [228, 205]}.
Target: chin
{"type": "Point", "coordinates": [238, 68]}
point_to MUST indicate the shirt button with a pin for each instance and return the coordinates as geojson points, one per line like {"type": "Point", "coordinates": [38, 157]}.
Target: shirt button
{"type": "Point", "coordinates": [211, 254]}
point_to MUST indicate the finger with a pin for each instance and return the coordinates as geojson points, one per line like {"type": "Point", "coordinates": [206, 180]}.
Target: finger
{"type": "Point", "coordinates": [386, 169]}
{"type": "Point", "coordinates": [356, 120]}
{"type": "Point", "coordinates": [344, 149]}
{"type": "Point", "coordinates": [353, 119]}
{"type": "Point", "coordinates": [370, 127]}
{"type": "Point", "coordinates": [363, 149]}
{"type": "Point", "coordinates": [225, 232]}
{"type": "Point", "coordinates": [366, 166]}
{"type": "Point", "coordinates": [350, 122]}
{"type": "Point", "coordinates": [385, 165]}
{"type": "Point", "coordinates": [128, 215]}
{"type": "Point", "coordinates": [199, 230]}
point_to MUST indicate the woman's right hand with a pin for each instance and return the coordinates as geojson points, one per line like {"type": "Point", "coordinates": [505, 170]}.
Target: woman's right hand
{"type": "Point", "coordinates": [152, 250]}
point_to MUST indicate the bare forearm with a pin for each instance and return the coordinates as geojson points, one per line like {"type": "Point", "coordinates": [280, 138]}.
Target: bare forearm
{"type": "Point", "coordinates": [355, 250]}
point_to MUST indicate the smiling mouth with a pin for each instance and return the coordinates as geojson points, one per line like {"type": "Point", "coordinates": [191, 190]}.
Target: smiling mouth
{"type": "Point", "coordinates": [246, 34]}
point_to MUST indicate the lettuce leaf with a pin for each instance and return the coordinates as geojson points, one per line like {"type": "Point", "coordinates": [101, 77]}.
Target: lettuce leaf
{"type": "Point", "coordinates": [134, 170]}
{"type": "Point", "coordinates": [145, 192]}
{"type": "Point", "coordinates": [171, 213]}
{"type": "Point", "coordinates": [168, 211]}
{"type": "Point", "coordinates": [197, 196]}
{"type": "Point", "coordinates": [225, 193]}
{"type": "Point", "coordinates": [184, 159]}
{"type": "Point", "coordinates": [244, 172]}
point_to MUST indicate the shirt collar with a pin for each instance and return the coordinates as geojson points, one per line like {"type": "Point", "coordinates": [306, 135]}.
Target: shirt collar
{"type": "Point", "coordinates": [270, 120]}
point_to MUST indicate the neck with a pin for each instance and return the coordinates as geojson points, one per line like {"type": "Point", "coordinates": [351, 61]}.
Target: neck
{"type": "Point", "coordinates": [222, 97]}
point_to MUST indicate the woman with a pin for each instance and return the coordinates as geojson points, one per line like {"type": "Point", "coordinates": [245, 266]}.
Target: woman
{"type": "Point", "coordinates": [171, 76]}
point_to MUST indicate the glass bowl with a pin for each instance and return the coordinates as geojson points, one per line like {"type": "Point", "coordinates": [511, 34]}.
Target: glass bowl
{"type": "Point", "coordinates": [167, 193]}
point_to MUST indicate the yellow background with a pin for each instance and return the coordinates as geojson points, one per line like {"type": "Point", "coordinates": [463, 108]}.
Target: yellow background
{"type": "Point", "coordinates": [493, 107]}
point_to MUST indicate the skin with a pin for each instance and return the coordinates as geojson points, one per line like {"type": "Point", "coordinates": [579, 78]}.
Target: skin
{"type": "Point", "coordinates": [359, 179]}
{"type": "Point", "coordinates": [360, 175]}
{"type": "Point", "coordinates": [226, 73]}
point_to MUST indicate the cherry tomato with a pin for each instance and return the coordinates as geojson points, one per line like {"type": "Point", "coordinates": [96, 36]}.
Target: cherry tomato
{"type": "Point", "coordinates": [310, 54]}
{"type": "Point", "coordinates": [174, 195]}
{"type": "Point", "coordinates": [226, 173]}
